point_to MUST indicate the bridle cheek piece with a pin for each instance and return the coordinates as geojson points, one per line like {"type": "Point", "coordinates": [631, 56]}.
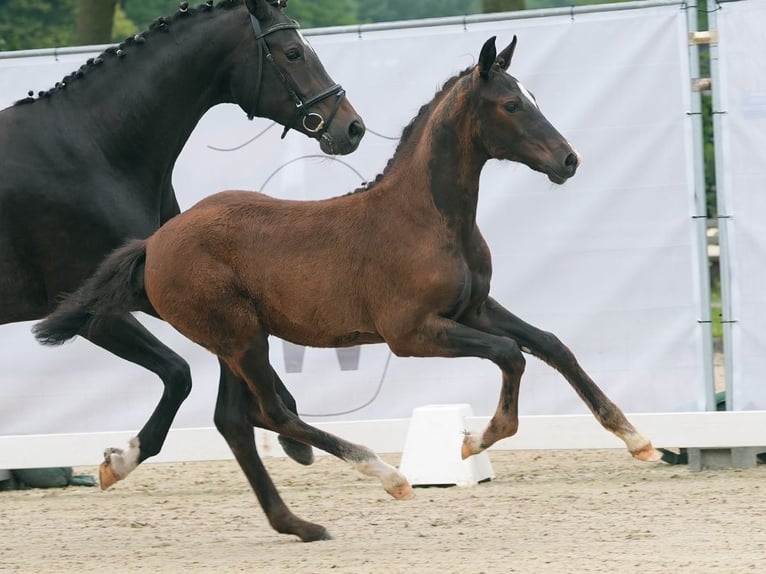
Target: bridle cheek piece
{"type": "Point", "coordinates": [312, 122]}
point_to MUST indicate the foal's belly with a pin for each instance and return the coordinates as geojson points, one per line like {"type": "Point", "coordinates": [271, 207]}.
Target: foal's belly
{"type": "Point", "coordinates": [318, 329]}
{"type": "Point", "coordinates": [332, 341]}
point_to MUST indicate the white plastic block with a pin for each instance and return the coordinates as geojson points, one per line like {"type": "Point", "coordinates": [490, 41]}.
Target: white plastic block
{"type": "Point", "coordinates": [431, 455]}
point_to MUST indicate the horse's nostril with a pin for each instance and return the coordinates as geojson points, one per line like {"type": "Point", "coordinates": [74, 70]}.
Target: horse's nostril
{"type": "Point", "coordinates": [356, 131]}
{"type": "Point", "coordinates": [571, 162]}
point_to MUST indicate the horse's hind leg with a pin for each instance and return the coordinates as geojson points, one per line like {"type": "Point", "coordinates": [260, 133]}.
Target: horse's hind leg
{"type": "Point", "coordinates": [298, 451]}
{"type": "Point", "coordinates": [127, 338]}
{"type": "Point", "coordinates": [234, 418]}
{"type": "Point", "coordinates": [497, 320]}
{"type": "Point", "coordinates": [252, 365]}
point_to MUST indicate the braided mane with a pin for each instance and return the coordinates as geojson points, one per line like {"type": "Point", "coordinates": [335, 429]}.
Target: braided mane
{"type": "Point", "coordinates": [119, 51]}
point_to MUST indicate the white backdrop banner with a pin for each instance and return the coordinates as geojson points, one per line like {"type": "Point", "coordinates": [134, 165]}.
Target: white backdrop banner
{"type": "Point", "coordinates": [742, 138]}
{"type": "Point", "coordinates": [608, 262]}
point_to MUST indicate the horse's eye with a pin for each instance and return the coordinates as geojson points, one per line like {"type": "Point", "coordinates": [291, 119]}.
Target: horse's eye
{"type": "Point", "coordinates": [293, 54]}
{"type": "Point", "coordinates": [511, 106]}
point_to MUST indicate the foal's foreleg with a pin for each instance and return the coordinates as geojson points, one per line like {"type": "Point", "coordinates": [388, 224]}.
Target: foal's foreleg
{"type": "Point", "coordinates": [440, 337]}
{"type": "Point", "coordinates": [252, 365]}
{"type": "Point", "coordinates": [494, 318]}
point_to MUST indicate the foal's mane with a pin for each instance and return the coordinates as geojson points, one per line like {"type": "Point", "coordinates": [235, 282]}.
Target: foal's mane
{"type": "Point", "coordinates": [424, 112]}
{"type": "Point", "coordinates": [119, 51]}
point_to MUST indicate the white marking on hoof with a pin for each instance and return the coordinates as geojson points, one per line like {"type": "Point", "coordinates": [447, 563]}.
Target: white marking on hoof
{"type": "Point", "coordinates": [471, 445]}
{"type": "Point", "coordinates": [641, 448]}
{"type": "Point", "coordinates": [123, 461]}
{"type": "Point", "coordinates": [393, 481]}
{"type": "Point", "coordinates": [635, 441]}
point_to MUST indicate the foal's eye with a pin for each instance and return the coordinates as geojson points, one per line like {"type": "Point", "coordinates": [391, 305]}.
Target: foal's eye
{"type": "Point", "coordinates": [293, 54]}
{"type": "Point", "coordinates": [511, 106]}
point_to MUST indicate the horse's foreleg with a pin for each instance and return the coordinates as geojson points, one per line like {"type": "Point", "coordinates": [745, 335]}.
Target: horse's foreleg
{"type": "Point", "coordinates": [234, 419]}
{"type": "Point", "coordinates": [440, 337]}
{"type": "Point", "coordinates": [125, 337]}
{"type": "Point", "coordinates": [504, 422]}
{"type": "Point", "coordinates": [494, 318]}
{"type": "Point", "coordinates": [252, 365]}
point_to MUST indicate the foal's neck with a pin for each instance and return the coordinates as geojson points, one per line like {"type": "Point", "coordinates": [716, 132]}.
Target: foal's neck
{"type": "Point", "coordinates": [451, 163]}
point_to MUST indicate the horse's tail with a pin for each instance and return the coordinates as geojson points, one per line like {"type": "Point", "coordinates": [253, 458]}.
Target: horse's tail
{"type": "Point", "coordinates": [116, 287]}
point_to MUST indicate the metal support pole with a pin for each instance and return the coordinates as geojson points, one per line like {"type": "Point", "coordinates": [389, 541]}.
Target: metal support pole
{"type": "Point", "coordinates": [724, 215]}
{"type": "Point", "coordinates": [700, 203]}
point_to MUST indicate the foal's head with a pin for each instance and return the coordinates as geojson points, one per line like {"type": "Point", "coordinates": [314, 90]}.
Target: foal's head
{"type": "Point", "coordinates": [510, 124]}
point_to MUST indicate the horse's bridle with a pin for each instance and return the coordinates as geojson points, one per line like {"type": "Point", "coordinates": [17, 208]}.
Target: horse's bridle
{"type": "Point", "coordinates": [312, 122]}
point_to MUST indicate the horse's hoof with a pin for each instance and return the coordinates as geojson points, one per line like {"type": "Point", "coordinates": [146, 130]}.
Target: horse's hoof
{"type": "Point", "coordinates": [401, 492]}
{"type": "Point", "coordinates": [471, 446]}
{"type": "Point", "coordinates": [647, 454]}
{"type": "Point", "coordinates": [300, 452]}
{"type": "Point", "coordinates": [316, 534]}
{"type": "Point", "coordinates": [106, 475]}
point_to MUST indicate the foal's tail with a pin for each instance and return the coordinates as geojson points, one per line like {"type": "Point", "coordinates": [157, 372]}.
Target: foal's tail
{"type": "Point", "coordinates": [116, 287]}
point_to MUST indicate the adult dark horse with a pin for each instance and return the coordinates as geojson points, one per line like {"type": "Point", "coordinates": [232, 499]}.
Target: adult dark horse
{"type": "Point", "coordinates": [90, 161]}
{"type": "Point", "coordinates": [401, 261]}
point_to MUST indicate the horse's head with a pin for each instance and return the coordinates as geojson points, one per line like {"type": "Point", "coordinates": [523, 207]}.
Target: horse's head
{"type": "Point", "coordinates": [511, 125]}
{"type": "Point", "coordinates": [293, 87]}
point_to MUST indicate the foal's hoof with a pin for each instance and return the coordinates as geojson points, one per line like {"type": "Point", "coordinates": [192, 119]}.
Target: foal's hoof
{"type": "Point", "coordinates": [300, 452]}
{"type": "Point", "coordinates": [106, 475]}
{"type": "Point", "coordinates": [647, 454]}
{"type": "Point", "coordinates": [402, 491]}
{"type": "Point", "coordinates": [471, 446]}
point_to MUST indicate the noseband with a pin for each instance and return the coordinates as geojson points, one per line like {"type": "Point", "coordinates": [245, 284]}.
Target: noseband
{"type": "Point", "coordinates": [312, 122]}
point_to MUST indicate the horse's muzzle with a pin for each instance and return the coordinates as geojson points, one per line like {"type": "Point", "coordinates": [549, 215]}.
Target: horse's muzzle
{"type": "Point", "coordinates": [343, 143]}
{"type": "Point", "coordinates": [565, 169]}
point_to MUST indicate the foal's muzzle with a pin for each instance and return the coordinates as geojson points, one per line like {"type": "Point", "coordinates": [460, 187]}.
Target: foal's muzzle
{"type": "Point", "coordinates": [564, 169]}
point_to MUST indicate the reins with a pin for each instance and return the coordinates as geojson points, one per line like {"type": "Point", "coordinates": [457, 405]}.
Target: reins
{"type": "Point", "coordinates": [312, 122]}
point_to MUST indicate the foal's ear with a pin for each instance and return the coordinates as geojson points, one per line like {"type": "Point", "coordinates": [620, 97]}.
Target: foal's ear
{"type": "Point", "coordinates": [504, 58]}
{"type": "Point", "coordinates": [487, 57]}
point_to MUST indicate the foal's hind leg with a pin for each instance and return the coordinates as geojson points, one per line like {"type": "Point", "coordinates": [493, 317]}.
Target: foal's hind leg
{"type": "Point", "coordinates": [494, 318]}
{"type": "Point", "coordinates": [298, 451]}
{"type": "Point", "coordinates": [234, 405]}
{"type": "Point", "coordinates": [127, 338]}
{"type": "Point", "coordinates": [252, 365]}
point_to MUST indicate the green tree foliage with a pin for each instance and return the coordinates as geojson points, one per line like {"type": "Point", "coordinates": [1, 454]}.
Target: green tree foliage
{"type": "Point", "coordinates": [488, 6]}
{"type": "Point", "coordinates": [26, 24]}
{"type": "Point", "coordinates": [535, 4]}
{"type": "Point", "coordinates": [123, 26]}
{"type": "Point", "coordinates": [144, 12]}
{"type": "Point", "coordinates": [326, 13]}
{"type": "Point", "coordinates": [94, 21]}
{"type": "Point", "coordinates": [389, 10]}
